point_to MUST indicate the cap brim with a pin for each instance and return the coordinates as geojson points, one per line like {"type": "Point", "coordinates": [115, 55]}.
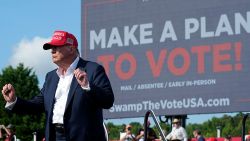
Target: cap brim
{"type": "Point", "coordinates": [46, 46]}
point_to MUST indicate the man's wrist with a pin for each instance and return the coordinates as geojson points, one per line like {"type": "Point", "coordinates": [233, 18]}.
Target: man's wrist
{"type": "Point", "coordinates": [13, 99]}
{"type": "Point", "coordinates": [10, 105]}
{"type": "Point", "coordinates": [87, 87]}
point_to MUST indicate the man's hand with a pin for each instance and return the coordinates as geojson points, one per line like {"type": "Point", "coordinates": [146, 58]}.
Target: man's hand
{"type": "Point", "coordinates": [8, 92]}
{"type": "Point", "coordinates": [81, 77]}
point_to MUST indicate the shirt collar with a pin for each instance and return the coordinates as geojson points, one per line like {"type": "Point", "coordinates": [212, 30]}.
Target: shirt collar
{"type": "Point", "coordinates": [71, 68]}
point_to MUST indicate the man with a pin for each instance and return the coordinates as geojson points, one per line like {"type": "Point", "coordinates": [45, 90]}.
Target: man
{"type": "Point", "coordinates": [10, 132]}
{"type": "Point", "coordinates": [72, 97]}
{"type": "Point", "coordinates": [247, 137]}
{"type": "Point", "coordinates": [228, 138]}
{"type": "Point", "coordinates": [178, 133]}
{"type": "Point", "coordinates": [151, 135]}
{"type": "Point", "coordinates": [197, 135]}
{"type": "Point", "coordinates": [127, 135]}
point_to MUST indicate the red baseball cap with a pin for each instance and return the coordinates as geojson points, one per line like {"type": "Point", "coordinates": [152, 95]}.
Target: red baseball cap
{"type": "Point", "coordinates": [61, 38]}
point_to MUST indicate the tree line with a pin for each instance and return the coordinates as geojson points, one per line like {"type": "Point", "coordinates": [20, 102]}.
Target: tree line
{"type": "Point", "coordinates": [229, 125]}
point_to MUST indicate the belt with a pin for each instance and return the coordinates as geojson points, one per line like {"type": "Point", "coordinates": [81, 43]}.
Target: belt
{"type": "Point", "coordinates": [59, 127]}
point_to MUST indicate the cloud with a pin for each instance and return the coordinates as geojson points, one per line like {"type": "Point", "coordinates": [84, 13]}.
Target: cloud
{"type": "Point", "coordinates": [32, 55]}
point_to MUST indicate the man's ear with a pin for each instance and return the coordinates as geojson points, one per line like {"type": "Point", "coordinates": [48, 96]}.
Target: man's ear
{"type": "Point", "coordinates": [72, 49]}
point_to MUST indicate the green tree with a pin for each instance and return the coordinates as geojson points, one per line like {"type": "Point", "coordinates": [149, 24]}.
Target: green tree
{"type": "Point", "coordinates": [166, 128]}
{"type": "Point", "coordinates": [136, 126]}
{"type": "Point", "coordinates": [230, 125]}
{"type": "Point", "coordinates": [25, 83]}
{"type": "Point", "coordinates": [113, 130]}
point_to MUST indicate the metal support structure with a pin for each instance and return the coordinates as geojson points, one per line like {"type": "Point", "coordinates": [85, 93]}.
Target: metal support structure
{"type": "Point", "coordinates": [184, 120]}
{"type": "Point", "coordinates": [106, 132]}
{"type": "Point", "coordinates": [244, 127]}
{"type": "Point", "coordinates": [156, 123]}
{"type": "Point", "coordinates": [34, 136]}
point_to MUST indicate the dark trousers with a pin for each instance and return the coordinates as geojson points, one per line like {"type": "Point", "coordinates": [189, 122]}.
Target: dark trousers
{"type": "Point", "coordinates": [58, 133]}
{"type": "Point", "coordinates": [60, 136]}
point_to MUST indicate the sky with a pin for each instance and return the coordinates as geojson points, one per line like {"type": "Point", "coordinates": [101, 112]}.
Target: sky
{"type": "Point", "coordinates": [26, 26]}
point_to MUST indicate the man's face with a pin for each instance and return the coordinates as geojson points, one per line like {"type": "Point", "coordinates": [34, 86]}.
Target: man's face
{"type": "Point", "coordinates": [128, 129]}
{"type": "Point", "coordinates": [60, 54]}
{"type": "Point", "coordinates": [176, 124]}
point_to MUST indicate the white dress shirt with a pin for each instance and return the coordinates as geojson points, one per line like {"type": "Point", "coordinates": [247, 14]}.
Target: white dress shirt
{"type": "Point", "coordinates": [62, 91]}
{"type": "Point", "coordinates": [178, 133]}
